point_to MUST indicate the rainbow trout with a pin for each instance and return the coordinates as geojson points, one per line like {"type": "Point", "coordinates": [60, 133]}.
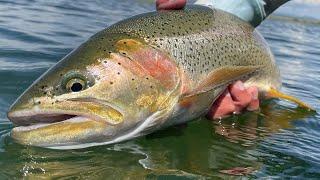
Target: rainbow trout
{"type": "Point", "coordinates": [142, 74]}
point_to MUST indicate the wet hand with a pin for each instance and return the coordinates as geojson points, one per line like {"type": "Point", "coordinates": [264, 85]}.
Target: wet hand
{"type": "Point", "coordinates": [235, 99]}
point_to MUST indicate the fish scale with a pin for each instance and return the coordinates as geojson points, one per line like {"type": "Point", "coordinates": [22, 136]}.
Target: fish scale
{"type": "Point", "coordinates": [201, 39]}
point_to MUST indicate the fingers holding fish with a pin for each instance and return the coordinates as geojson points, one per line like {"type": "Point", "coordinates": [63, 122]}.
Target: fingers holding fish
{"type": "Point", "coordinates": [234, 100]}
{"type": "Point", "coordinates": [170, 4]}
{"type": "Point", "coordinates": [255, 103]}
{"type": "Point", "coordinates": [223, 106]}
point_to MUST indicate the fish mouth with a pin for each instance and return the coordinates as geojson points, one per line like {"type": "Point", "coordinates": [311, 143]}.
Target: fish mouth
{"type": "Point", "coordinates": [29, 118]}
{"type": "Point", "coordinates": [36, 126]}
{"type": "Point", "coordinates": [62, 130]}
{"type": "Point", "coordinates": [53, 128]}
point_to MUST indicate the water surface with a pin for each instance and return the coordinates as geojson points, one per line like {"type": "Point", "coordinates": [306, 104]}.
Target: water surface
{"type": "Point", "coordinates": [279, 141]}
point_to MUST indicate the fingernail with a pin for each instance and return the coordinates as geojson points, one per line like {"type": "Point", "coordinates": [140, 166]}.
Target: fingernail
{"type": "Point", "coordinates": [254, 105]}
{"type": "Point", "coordinates": [254, 92]}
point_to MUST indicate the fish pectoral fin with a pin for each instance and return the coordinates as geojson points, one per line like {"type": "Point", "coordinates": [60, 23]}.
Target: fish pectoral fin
{"type": "Point", "coordinates": [273, 93]}
{"type": "Point", "coordinates": [221, 77]}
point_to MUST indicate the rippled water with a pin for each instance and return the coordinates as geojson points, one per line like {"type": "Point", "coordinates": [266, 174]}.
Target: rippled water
{"type": "Point", "coordinates": [280, 141]}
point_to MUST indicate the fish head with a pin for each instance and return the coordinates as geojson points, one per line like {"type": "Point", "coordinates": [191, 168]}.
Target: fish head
{"type": "Point", "coordinates": [105, 91]}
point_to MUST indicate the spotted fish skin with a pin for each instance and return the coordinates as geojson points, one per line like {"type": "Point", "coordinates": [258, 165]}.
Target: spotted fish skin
{"type": "Point", "coordinates": [139, 75]}
{"type": "Point", "coordinates": [201, 39]}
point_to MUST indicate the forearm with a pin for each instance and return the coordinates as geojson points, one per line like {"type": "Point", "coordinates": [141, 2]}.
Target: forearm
{"type": "Point", "coordinates": [252, 11]}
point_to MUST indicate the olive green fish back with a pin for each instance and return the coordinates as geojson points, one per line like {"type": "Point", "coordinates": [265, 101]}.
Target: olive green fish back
{"type": "Point", "coordinates": [201, 39]}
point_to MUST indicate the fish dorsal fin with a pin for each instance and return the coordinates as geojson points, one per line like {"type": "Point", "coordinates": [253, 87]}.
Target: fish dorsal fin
{"type": "Point", "coordinates": [220, 77]}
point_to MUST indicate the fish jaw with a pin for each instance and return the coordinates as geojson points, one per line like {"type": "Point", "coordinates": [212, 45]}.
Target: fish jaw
{"type": "Point", "coordinates": [76, 130]}
{"type": "Point", "coordinates": [52, 110]}
{"type": "Point", "coordinates": [66, 131]}
{"type": "Point", "coordinates": [45, 127]}
{"type": "Point", "coordinates": [76, 123]}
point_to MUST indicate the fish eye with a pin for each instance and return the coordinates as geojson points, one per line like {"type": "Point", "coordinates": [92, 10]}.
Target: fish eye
{"type": "Point", "coordinates": [75, 85]}
{"type": "Point", "coordinates": [75, 82]}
